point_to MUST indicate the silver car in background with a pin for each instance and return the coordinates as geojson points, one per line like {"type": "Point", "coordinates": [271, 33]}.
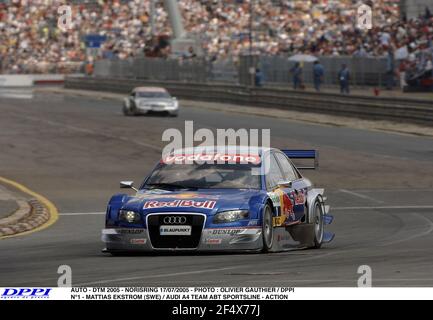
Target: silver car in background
{"type": "Point", "coordinates": [143, 100]}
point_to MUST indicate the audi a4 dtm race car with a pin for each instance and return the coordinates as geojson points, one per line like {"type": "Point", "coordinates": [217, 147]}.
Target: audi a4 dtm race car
{"type": "Point", "coordinates": [228, 199]}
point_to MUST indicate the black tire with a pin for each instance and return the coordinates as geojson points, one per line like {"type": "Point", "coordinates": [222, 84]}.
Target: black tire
{"type": "Point", "coordinates": [118, 253]}
{"type": "Point", "coordinates": [126, 111]}
{"type": "Point", "coordinates": [131, 111]}
{"type": "Point", "coordinates": [172, 114]}
{"type": "Point", "coordinates": [319, 224]}
{"type": "Point", "coordinates": [267, 229]}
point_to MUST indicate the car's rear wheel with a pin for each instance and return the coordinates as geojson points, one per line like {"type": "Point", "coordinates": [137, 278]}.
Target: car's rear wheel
{"type": "Point", "coordinates": [319, 224]}
{"type": "Point", "coordinates": [267, 229]}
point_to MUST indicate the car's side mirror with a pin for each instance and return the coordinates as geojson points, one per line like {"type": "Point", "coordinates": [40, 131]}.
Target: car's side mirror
{"type": "Point", "coordinates": [285, 184]}
{"type": "Point", "coordinates": [127, 185]}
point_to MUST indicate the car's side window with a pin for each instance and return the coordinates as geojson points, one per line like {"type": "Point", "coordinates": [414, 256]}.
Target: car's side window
{"type": "Point", "coordinates": [288, 171]}
{"type": "Point", "coordinates": [274, 175]}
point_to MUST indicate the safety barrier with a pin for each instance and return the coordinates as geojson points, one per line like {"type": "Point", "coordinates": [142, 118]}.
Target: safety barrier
{"type": "Point", "coordinates": [364, 71]}
{"type": "Point", "coordinates": [378, 108]}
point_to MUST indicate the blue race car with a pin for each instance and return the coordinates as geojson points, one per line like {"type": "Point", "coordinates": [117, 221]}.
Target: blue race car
{"type": "Point", "coordinates": [220, 199]}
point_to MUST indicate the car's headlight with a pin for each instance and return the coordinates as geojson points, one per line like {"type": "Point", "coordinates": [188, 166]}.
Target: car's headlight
{"type": "Point", "coordinates": [230, 216]}
{"type": "Point", "coordinates": [129, 216]}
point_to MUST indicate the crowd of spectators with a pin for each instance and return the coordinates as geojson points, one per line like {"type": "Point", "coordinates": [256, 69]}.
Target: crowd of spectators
{"type": "Point", "coordinates": [30, 40]}
{"type": "Point", "coordinates": [326, 27]}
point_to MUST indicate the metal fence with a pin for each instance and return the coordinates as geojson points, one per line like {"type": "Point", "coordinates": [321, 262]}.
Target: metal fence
{"type": "Point", "coordinates": [364, 71]}
{"type": "Point", "coordinates": [275, 69]}
{"type": "Point", "coordinates": [165, 69]}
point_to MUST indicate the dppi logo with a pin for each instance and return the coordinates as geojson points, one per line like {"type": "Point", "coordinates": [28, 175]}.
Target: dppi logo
{"type": "Point", "coordinates": [26, 293]}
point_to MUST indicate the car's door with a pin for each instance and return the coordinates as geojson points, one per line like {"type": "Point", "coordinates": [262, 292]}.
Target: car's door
{"type": "Point", "coordinates": [296, 187]}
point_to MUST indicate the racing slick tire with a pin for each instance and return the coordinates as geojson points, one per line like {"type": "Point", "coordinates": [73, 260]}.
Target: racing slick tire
{"type": "Point", "coordinates": [117, 254]}
{"type": "Point", "coordinates": [319, 224]}
{"type": "Point", "coordinates": [267, 229]}
{"type": "Point", "coordinates": [129, 108]}
{"type": "Point", "coordinates": [126, 111]}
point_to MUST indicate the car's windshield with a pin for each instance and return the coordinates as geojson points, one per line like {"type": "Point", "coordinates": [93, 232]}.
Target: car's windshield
{"type": "Point", "coordinates": [204, 176]}
{"type": "Point", "coordinates": [152, 95]}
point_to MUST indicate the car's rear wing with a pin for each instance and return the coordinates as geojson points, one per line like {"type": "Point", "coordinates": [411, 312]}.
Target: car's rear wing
{"type": "Point", "coordinates": [304, 154]}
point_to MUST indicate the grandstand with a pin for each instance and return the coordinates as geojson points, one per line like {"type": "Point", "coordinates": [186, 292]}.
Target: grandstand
{"type": "Point", "coordinates": [31, 42]}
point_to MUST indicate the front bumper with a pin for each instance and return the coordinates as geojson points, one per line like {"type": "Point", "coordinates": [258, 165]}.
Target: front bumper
{"type": "Point", "coordinates": [212, 239]}
{"type": "Point", "coordinates": [157, 108]}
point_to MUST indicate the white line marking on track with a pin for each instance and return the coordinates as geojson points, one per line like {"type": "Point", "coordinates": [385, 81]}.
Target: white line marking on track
{"type": "Point", "coordinates": [381, 207]}
{"type": "Point", "coordinates": [243, 266]}
{"type": "Point", "coordinates": [292, 255]}
{"type": "Point", "coordinates": [405, 190]}
{"type": "Point", "coordinates": [158, 276]}
{"type": "Point", "coordinates": [340, 280]}
{"type": "Point", "coordinates": [359, 195]}
{"type": "Point", "coordinates": [81, 213]}
{"type": "Point", "coordinates": [417, 235]}
{"type": "Point", "coordinates": [92, 132]}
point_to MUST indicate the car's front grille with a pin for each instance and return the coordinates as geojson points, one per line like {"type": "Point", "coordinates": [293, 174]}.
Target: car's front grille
{"type": "Point", "coordinates": [196, 221]}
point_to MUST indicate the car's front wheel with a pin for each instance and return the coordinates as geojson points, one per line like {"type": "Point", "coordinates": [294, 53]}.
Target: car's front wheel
{"type": "Point", "coordinates": [126, 111]}
{"type": "Point", "coordinates": [129, 108]}
{"type": "Point", "coordinates": [267, 229]}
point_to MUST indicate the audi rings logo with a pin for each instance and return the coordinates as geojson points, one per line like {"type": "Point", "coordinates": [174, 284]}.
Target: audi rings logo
{"type": "Point", "coordinates": [175, 220]}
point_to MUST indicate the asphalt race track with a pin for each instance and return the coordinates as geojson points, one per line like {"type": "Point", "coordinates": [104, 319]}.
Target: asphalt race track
{"type": "Point", "coordinates": [74, 151]}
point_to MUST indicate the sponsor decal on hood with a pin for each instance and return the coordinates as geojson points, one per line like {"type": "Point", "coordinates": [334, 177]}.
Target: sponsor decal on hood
{"type": "Point", "coordinates": [183, 195]}
{"type": "Point", "coordinates": [156, 204]}
{"type": "Point", "coordinates": [212, 158]}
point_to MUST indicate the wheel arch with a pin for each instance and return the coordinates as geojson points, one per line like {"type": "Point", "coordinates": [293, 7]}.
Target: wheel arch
{"type": "Point", "coordinates": [126, 102]}
{"type": "Point", "coordinates": [113, 207]}
{"type": "Point", "coordinates": [268, 201]}
{"type": "Point", "coordinates": [313, 196]}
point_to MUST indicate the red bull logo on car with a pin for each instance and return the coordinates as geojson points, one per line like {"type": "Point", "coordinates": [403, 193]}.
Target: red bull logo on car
{"type": "Point", "coordinates": [284, 207]}
{"type": "Point", "coordinates": [207, 204]}
{"type": "Point", "coordinates": [299, 198]}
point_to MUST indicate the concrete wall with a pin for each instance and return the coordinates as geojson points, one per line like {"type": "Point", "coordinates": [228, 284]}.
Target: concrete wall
{"type": "Point", "coordinates": [28, 80]}
{"type": "Point", "coordinates": [395, 109]}
{"type": "Point", "coordinates": [16, 80]}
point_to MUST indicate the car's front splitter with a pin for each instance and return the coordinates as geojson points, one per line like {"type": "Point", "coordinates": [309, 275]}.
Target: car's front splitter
{"type": "Point", "coordinates": [212, 239]}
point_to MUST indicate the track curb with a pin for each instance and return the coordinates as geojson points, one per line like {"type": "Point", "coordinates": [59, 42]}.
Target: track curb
{"type": "Point", "coordinates": [34, 213]}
